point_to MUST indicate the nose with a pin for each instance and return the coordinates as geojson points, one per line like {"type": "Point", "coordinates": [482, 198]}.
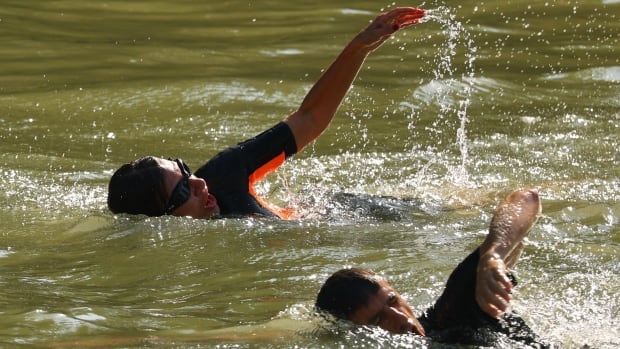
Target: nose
{"type": "Point", "coordinates": [197, 184]}
{"type": "Point", "coordinates": [397, 321]}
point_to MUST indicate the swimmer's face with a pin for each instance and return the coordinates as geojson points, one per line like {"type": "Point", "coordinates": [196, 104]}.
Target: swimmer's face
{"type": "Point", "coordinates": [388, 310]}
{"type": "Point", "coordinates": [188, 195]}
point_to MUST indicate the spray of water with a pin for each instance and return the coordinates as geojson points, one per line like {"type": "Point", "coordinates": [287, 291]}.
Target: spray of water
{"type": "Point", "coordinates": [453, 93]}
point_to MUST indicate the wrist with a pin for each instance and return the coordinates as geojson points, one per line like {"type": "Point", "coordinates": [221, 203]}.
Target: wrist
{"type": "Point", "coordinates": [489, 260]}
{"type": "Point", "coordinates": [357, 48]}
{"type": "Point", "coordinates": [489, 256]}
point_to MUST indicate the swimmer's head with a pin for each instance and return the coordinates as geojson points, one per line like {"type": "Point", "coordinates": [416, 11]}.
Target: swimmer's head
{"type": "Point", "coordinates": [365, 298]}
{"type": "Point", "coordinates": [138, 188]}
{"type": "Point", "coordinates": [347, 290]}
{"type": "Point", "coordinates": [156, 187]}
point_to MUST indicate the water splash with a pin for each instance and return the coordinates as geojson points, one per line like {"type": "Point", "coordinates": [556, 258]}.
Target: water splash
{"type": "Point", "coordinates": [453, 93]}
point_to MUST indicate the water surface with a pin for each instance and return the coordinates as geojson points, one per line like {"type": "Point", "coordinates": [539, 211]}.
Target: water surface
{"type": "Point", "coordinates": [443, 121]}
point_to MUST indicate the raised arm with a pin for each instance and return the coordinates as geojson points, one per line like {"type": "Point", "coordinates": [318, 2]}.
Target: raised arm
{"type": "Point", "coordinates": [320, 104]}
{"type": "Point", "coordinates": [511, 223]}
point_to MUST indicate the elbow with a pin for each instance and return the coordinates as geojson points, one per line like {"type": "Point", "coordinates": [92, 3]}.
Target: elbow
{"type": "Point", "coordinates": [305, 126]}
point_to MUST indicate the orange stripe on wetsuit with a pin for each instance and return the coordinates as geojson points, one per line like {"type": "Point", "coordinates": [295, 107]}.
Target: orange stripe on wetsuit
{"type": "Point", "coordinates": [259, 174]}
{"type": "Point", "coordinates": [232, 174]}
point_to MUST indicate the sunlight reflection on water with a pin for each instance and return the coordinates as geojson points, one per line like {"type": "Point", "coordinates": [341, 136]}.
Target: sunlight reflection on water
{"type": "Point", "coordinates": [445, 119]}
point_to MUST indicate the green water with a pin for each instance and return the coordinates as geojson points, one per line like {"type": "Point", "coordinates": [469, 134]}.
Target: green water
{"type": "Point", "coordinates": [447, 117]}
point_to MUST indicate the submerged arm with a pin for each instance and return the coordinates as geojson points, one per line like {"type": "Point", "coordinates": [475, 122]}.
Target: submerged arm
{"type": "Point", "coordinates": [502, 247]}
{"type": "Point", "coordinates": [320, 104]}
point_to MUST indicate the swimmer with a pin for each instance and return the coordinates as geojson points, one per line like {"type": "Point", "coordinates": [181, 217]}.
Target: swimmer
{"type": "Point", "coordinates": [474, 305]}
{"type": "Point", "coordinates": [224, 186]}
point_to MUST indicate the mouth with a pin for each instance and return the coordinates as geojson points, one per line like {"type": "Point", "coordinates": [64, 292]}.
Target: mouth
{"type": "Point", "coordinates": [211, 201]}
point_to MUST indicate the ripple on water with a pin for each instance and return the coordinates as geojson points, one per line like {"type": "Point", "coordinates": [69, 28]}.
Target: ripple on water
{"type": "Point", "coordinates": [606, 74]}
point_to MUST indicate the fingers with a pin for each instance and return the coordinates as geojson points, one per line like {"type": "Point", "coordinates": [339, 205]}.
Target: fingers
{"type": "Point", "coordinates": [400, 17]}
{"type": "Point", "coordinates": [493, 300]}
{"type": "Point", "coordinates": [408, 18]}
{"type": "Point", "coordinates": [493, 288]}
{"type": "Point", "coordinates": [495, 310]}
{"type": "Point", "coordinates": [397, 18]}
{"type": "Point", "coordinates": [500, 284]}
{"type": "Point", "coordinates": [386, 24]}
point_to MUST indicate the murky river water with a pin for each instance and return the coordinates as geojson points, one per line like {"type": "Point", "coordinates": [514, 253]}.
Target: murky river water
{"type": "Point", "coordinates": [442, 122]}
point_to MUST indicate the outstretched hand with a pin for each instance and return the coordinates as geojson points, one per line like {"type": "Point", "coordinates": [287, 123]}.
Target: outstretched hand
{"type": "Point", "coordinates": [320, 104]}
{"type": "Point", "coordinates": [387, 24]}
{"type": "Point", "coordinates": [492, 286]}
{"type": "Point", "coordinates": [511, 223]}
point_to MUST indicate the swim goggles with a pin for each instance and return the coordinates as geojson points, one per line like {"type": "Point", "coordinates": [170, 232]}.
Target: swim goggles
{"type": "Point", "coordinates": [181, 192]}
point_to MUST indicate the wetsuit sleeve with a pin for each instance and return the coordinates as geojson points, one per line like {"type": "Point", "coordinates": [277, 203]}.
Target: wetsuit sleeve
{"type": "Point", "coordinates": [456, 317]}
{"type": "Point", "coordinates": [272, 143]}
{"type": "Point", "coordinates": [232, 174]}
{"type": "Point", "coordinates": [457, 304]}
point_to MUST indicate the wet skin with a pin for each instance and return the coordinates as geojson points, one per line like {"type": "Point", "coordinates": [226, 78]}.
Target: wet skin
{"type": "Point", "coordinates": [511, 223]}
{"type": "Point", "coordinates": [201, 203]}
{"type": "Point", "coordinates": [388, 310]}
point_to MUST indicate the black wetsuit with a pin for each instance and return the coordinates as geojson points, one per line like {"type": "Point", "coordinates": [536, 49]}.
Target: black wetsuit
{"type": "Point", "coordinates": [456, 317]}
{"type": "Point", "coordinates": [232, 173]}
